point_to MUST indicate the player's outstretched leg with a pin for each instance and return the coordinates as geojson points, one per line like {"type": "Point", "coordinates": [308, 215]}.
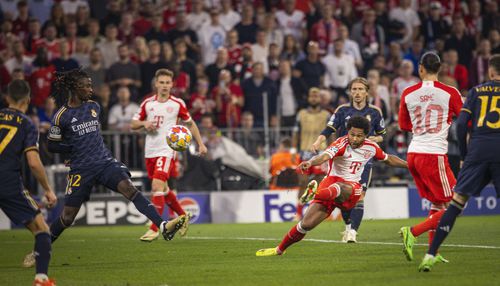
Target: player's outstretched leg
{"type": "Point", "coordinates": [42, 250]}
{"type": "Point", "coordinates": [314, 215]}
{"type": "Point", "coordinates": [158, 200]}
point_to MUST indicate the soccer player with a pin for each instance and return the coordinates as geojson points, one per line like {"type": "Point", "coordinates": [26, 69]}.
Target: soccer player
{"type": "Point", "coordinates": [481, 157]}
{"type": "Point", "coordinates": [306, 128]}
{"type": "Point", "coordinates": [75, 132]}
{"type": "Point", "coordinates": [18, 136]}
{"type": "Point", "coordinates": [156, 115]}
{"type": "Point", "coordinates": [358, 89]}
{"type": "Point", "coordinates": [347, 158]}
{"type": "Point", "coordinates": [426, 110]}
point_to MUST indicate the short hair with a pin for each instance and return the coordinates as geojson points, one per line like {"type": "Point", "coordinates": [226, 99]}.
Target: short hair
{"type": "Point", "coordinates": [361, 80]}
{"type": "Point", "coordinates": [431, 62]}
{"type": "Point", "coordinates": [359, 122]}
{"type": "Point", "coordinates": [286, 142]}
{"type": "Point", "coordinates": [494, 62]}
{"type": "Point", "coordinates": [162, 72]}
{"type": "Point", "coordinates": [18, 90]}
{"type": "Point", "coordinates": [313, 89]}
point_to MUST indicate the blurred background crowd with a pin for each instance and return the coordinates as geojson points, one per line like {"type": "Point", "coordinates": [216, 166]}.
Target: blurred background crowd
{"type": "Point", "coordinates": [244, 68]}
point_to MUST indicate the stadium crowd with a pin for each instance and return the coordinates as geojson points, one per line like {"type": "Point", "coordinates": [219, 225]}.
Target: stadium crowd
{"type": "Point", "coordinates": [230, 56]}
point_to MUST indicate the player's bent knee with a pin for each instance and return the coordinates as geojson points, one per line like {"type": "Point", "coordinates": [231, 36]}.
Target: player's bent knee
{"type": "Point", "coordinates": [127, 189]}
{"type": "Point", "coordinates": [38, 225]}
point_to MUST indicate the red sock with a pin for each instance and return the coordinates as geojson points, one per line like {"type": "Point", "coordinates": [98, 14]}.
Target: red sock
{"type": "Point", "coordinates": [295, 234]}
{"type": "Point", "coordinates": [158, 201]}
{"type": "Point", "coordinates": [173, 203]}
{"type": "Point", "coordinates": [430, 223]}
{"type": "Point", "coordinates": [300, 207]}
{"type": "Point", "coordinates": [431, 232]}
{"type": "Point", "coordinates": [328, 194]}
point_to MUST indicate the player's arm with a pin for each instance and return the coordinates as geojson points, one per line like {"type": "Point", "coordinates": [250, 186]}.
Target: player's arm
{"type": "Point", "coordinates": [139, 121]}
{"type": "Point", "coordinates": [314, 161]}
{"type": "Point", "coordinates": [404, 115]}
{"type": "Point", "coordinates": [55, 142]}
{"type": "Point", "coordinates": [395, 161]}
{"type": "Point", "coordinates": [38, 171]}
{"type": "Point", "coordinates": [462, 128]}
{"type": "Point", "coordinates": [331, 127]}
{"type": "Point", "coordinates": [379, 128]}
{"type": "Point", "coordinates": [202, 149]}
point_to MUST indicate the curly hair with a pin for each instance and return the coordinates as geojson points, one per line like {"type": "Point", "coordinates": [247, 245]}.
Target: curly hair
{"type": "Point", "coordinates": [64, 85]}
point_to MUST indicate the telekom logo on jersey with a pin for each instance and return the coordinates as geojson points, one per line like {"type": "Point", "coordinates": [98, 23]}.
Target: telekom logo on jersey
{"type": "Point", "coordinates": [158, 120]}
{"type": "Point", "coordinates": [355, 166]}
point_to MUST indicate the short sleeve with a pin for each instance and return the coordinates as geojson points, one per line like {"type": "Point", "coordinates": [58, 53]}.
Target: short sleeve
{"type": "Point", "coordinates": [337, 148]}
{"type": "Point", "coordinates": [468, 105]}
{"type": "Point", "coordinates": [141, 112]}
{"type": "Point", "coordinates": [31, 139]}
{"type": "Point", "coordinates": [380, 154]}
{"type": "Point", "coordinates": [456, 102]}
{"type": "Point", "coordinates": [183, 112]}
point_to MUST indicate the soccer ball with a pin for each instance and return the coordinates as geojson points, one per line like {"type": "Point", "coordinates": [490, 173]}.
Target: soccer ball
{"type": "Point", "coordinates": [179, 138]}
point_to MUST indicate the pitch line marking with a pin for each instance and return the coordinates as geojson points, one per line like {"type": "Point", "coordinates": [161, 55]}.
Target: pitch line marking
{"type": "Point", "coordinates": [337, 241]}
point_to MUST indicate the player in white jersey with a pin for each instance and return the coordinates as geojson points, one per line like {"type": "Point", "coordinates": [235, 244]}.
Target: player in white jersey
{"type": "Point", "coordinates": [156, 115]}
{"type": "Point", "coordinates": [426, 110]}
{"type": "Point", "coordinates": [347, 158]}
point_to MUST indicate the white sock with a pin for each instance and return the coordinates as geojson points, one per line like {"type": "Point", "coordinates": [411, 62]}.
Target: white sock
{"type": "Point", "coordinates": [348, 227]}
{"type": "Point", "coordinates": [41, 276]}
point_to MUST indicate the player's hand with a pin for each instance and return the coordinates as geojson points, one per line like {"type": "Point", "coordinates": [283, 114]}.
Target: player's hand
{"type": "Point", "coordinates": [149, 126]}
{"type": "Point", "coordinates": [304, 165]}
{"type": "Point", "coordinates": [315, 146]}
{"type": "Point", "coordinates": [51, 199]}
{"type": "Point", "coordinates": [202, 150]}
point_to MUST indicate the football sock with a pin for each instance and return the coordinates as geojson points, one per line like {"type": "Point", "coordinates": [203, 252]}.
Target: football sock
{"type": "Point", "coordinates": [346, 216]}
{"type": "Point", "coordinates": [300, 208]}
{"type": "Point", "coordinates": [43, 245]}
{"type": "Point", "coordinates": [445, 226]}
{"type": "Point", "coordinates": [431, 232]}
{"type": "Point", "coordinates": [158, 200]}
{"type": "Point", "coordinates": [328, 194]}
{"type": "Point", "coordinates": [429, 223]}
{"type": "Point", "coordinates": [146, 208]}
{"type": "Point", "coordinates": [56, 228]}
{"type": "Point", "coordinates": [295, 234]}
{"type": "Point", "coordinates": [173, 203]}
{"type": "Point", "coordinates": [357, 215]}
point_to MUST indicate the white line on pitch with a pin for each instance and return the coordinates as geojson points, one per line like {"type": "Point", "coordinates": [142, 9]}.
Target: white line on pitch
{"type": "Point", "coordinates": [337, 241]}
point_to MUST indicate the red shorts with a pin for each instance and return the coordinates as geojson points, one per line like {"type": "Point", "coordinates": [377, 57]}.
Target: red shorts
{"type": "Point", "coordinates": [357, 190]}
{"type": "Point", "coordinates": [433, 176]}
{"type": "Point", "coordinates": [159, 167]}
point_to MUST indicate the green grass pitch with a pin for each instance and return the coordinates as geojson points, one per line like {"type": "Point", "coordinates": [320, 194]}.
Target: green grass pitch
{"type": "Point", "coordinates": [224, 254]}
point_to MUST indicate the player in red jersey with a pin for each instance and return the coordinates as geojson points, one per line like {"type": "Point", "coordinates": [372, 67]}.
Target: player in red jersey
{"type": "Point", "coordinates": [426, 110]}
{"type": "Point", "coordinates": [346, 157]}
{"type": "Point", "coordinates": [156, 115]}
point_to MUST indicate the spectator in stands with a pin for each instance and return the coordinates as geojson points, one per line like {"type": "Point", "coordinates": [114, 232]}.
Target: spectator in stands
{"type": "Point", "coordinates": [247, 28]}
{"type": "Point", "coordinates": [125, 73]}
{"type": "Point", "coordinates": [434, 27]}
{"type": "Point", "coordinates": [34, 35]}
{"type": "Point", "coordinates": [234, 49]}
{"type": "Point", "coordinates": [20, 24]}
{"type": "Point", "coordinates": [456, 70]}
{"type": "Point", "coordinates": [45, 115]}
{"type": "Point", "coordinates": [96, 70]}
{"type": "Point", "coordinates": [81, 53]}
{"type": "Point", "coordinates": [94, 38]}
{"type": "Point", "coordinates": [382, 16]}
{"type": "Point", "coordinates": [325, 32]}
{"type": "Point", "coordinates": [113, 15]}
{"type": "Point", "coordinates": [282, 167]}
{"type": "Point", "coordinates": [57, 18]}
{"type": "Point", "coordinates": [228, 17]}
{"type": "Point", "coordinates": [40, 10]}
{"type": "Point", "coordinates": [311, 69]}
{"type": "Point", "coordinates": [82, 19]}
{"type": "Point", "coordinates": [379, 94]}
{"type": "Point", "coordinates": [157, 31]}
{"type": "Point", "coordinates": [474, 20]}
{"type": "Point", "coordinates": [350, 46]}
{"type": "Point", "coordinates": [186, 64]}
{"type": "Point", "coordinates": [149, 67]}
{"type": "Point", "coordinates": [243, 69]}
{"type": "Point", "coordinates": [256, 89]}
{"type": "Point", "coordinates": [122, 112]}
{"type": "Point", "coordinates": [369, 36]}
{"type": "Point", "coordinates": [404, 80]}
{"type": "Point", "coordinates": [291, 21]}
{"type": "Point", "coordinates": [394, 58]}
{"type": "Point", "coordinates": [143, 13]}
{"type": "Point", "coordinates": [140, 50]}
{"type": "Point", "coordinates": [41, 78]}
{"type": "Point", "coordinates": [126, 33]}
{"type": "Point", "coordinates": [109, 47]}
{"type": "Point", "coordinates": [460, 41]}
{"type": "Point", "coordinates": [221, 62]}
{"type": "Point", "coordinates": [340, 70]}
{"type": "Point", "coordinates": [250, 139]}
{"type": "Point", "coordinates": [291, 50]}
{"type": "Point", "coordinates": [167, 53]}
{"type": "Point", "coordinates": [182, 31]}
{"type": "Point", "coordinates": [199, 102]}
{"type": "Point", "coordinates": [103, 97]}
{"type": "Point", "coordinates": [197, 18]}
{"type": "Point", "coordinates": [211, 137]}
{"type": "Point", "coordinates": [260, 50]}
{"type": "Point", "coordinates": [211, 36]}
{"type": "Point", "coordinates": [70, 6]}
{"type": "Point", "coordinates": [273, 33]}
{"type": "Point", "coordinates": [169, 14]}
{"type": "Point", "coordinates": [491, 20]}
{"type": "Point", "coordinates": [415, 53]}
{"type": "Point", "coordinates": [478, 71]}
{"type": "Point", "coordinates": [405, 14]}
{"type": "Point", "coordinates": [494, 37]}
{"type": "Point", "coordinates": [229, 100]}
{"type": "Point", "coordinates": [292, 93]}
{"type": "Point", "coordinates": [19, 59]}
{"type": "Point", "coordinates": [70, 35]}
{"type": "Point", "coordinates": [347, 15]}
{"type": "Point", "coordinates": [273, 62]}
{"type": "Point", "coordinates": [64, 62]}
